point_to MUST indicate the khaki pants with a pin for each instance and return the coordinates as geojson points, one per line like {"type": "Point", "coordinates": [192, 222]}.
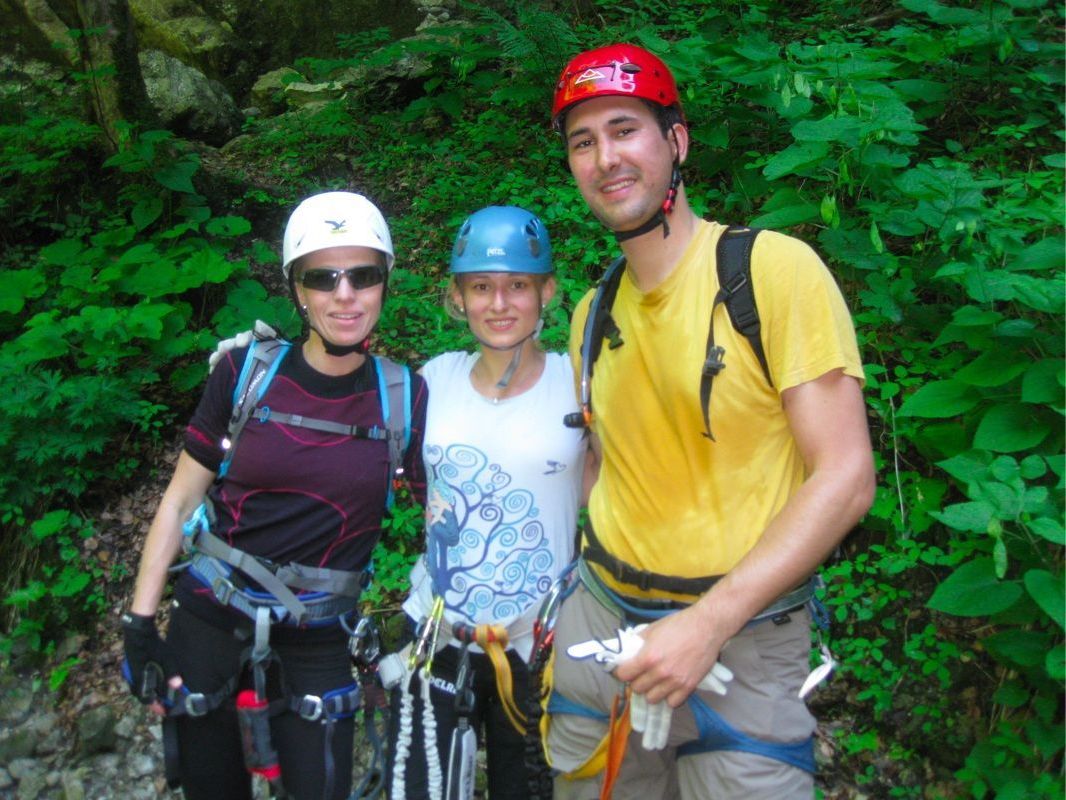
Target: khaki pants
{"type": "Point", "coordinates": [769, 663]}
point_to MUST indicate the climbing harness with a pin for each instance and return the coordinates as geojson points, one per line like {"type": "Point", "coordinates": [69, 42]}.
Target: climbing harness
{"type": "Point", "coordinates": [176, 703]}
{"type": "Point", "coordinates": [292, 594]}
{"type": "Point", "coordinates": [714, 733]}
{"type": "Point", "coordinates": [733, 259]}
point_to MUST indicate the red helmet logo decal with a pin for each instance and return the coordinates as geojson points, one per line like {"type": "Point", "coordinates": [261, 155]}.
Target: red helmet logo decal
{"type": "Point", "coordinates": [619, 69]}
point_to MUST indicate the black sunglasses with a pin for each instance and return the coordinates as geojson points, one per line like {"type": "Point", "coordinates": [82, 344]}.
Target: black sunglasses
{"type": "Point", "coordinates": [325, 279]}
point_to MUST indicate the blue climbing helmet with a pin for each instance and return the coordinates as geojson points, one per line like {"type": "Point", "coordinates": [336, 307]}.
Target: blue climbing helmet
{"type": "Point", "coordinates": [502, 239]}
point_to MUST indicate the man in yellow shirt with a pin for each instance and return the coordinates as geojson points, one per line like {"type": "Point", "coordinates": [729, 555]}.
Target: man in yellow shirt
{"type": "Point", "coordinates": [711, 541]}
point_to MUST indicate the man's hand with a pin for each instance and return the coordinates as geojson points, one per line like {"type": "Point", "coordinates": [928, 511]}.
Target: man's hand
{"type": "Point", "coordinates": [678, 653]}
{"type": "Point", "coordinates": [242, 339]}
{"type": "Point", "coordinates": [652, 718]}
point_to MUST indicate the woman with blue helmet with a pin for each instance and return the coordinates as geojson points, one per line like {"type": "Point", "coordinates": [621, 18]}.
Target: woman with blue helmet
{"type": "Point", "coordinates": [504, 479]}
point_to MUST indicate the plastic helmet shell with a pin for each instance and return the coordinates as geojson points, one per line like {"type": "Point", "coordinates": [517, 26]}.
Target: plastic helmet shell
{"type": "Point", "coordinates": [502, 239]}
{"type": "Point", "coordinates": [616, 70]}
{"type": "Point", "coordinates": [334, 219]}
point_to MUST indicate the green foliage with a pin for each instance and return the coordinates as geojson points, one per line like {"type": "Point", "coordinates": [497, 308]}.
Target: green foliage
{"type": "Point", "coordinates": [953, 249]}
{"type": "Point", "coordinates": [397, 551]}
{"type": "Point", "coordinates": [917, 144]}
{"type": "Point", "coordinates": [103, 334]}
{"type": "Point", "coordinates": [66, 589]}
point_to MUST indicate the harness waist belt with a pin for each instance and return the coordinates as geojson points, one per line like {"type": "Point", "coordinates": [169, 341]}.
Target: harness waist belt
{"type": "Point", "coordinates": [626, 573]}
{"type": "Point", "coordinates": [213, 561]}
{"type": "Point", "coordinates": [642, 610]}
{"type": "Point", "coordinates": [214, 574]}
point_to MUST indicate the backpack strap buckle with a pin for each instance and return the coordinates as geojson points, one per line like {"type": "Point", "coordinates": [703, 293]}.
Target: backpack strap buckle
{"type": "Point", "coordinates": [714, 363]}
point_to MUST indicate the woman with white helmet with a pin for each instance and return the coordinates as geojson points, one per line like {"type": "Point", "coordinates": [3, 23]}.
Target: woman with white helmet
{"type": "Point", "coordinates": [504, 484]}
{"type": "Point", "coordinates": [255, 675]}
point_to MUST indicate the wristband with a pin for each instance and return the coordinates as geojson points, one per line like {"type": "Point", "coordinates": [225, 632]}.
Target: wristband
{"type": "Point", "coordinates": [139, 623]}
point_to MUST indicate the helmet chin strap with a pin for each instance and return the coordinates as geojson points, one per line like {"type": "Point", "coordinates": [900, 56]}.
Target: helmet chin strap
{"type": "Point", "coordinates": [343, 350]}
{"type": "Point", "coordinates": [660, 216]}
{"type": "Point", "coordinates": [516, 358]}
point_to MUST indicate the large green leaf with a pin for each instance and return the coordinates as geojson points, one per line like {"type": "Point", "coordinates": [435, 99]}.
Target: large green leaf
{"type": "Point", "coordinates": [966, 467]}
{"type": "Point", "coordinates": [1055, 663]}
{"type": "Point", "coordinates": [1043, 382]}
{"type": "Point", "coordinates": [1026, 648]}
{"type": "Point", "coordinates": [146, 212]}
{"type": "Point", "coordinates": [992, 368]}
{"type": "Point", "coordinates": [973, 590]}
{"type": "Point", "coordinates": [20, 285]}
{"type": "Point", "coordinates": [177, 175]}
{"type": "Point", "coordinates": [940, 399]}
{"type": "Point", "coordinates": [843, 128]}
{"type": "Point", "coordinates": [787, 207]}
{"type": "Point", "coordinates": [877, 155]}
{"type": "Point", "coordinates": [228, 226]}
{"type": "Point", "coordinates": [795, 157]}
{"type": "Point", "coordinates": [62, 253]}
{"type": "Point", "coordinates": [1042, 294]}
{"type": "Point", "coordinates": [1045, 255]}
{"type": "Point", "coordinates": [1050, 529]}
{"type": "Point", "coordinates": [1049, 593]}
{"type": "Point", "coordinates": [1009, 428]}
{"type": "Point", "coordinates": [972, 517]}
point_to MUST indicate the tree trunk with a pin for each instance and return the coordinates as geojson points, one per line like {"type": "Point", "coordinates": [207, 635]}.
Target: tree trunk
{"type": "Point", "coordinates": [99, 39]}
{"type": "Point", "coordinates": [109, 51]}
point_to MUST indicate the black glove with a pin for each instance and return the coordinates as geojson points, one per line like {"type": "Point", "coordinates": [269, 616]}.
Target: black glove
{"type": "Point", "coordinates": [149, 660]}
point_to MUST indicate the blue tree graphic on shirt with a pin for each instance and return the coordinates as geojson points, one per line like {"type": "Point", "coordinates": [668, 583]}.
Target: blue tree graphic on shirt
{"type": "Point", "coordinates": [486, 553]}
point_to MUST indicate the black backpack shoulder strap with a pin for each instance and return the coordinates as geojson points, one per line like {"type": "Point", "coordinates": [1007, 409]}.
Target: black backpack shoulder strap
{"type": "Point", "coordinates": [260, 365]}
{"type": "Point", "coordinates": [394, 389]}
{"type": "Point", "coordinates": [598, 325]}
{"type": "Point", "coordinates": [734, 273]}
{"type": "Point", "coordinates": [733, 258]}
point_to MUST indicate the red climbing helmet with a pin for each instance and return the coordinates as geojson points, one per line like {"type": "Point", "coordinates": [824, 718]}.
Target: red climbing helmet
{"type": "Point", "coordinates": [618, 69]}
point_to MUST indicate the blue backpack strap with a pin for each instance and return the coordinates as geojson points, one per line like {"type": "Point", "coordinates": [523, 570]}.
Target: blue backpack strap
{"type": "Point", "coordinates": [394, 390]}
{"type": "Point", "coordinates": [260, 365]}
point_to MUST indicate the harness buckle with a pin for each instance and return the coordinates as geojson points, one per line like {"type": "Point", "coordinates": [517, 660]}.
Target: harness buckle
{"type": "Point", "coordinates": [196, 704]}
{"type": "Point", "coordinates": [310, 707]}
{"type": "Point", "coordinates": [223, 589]}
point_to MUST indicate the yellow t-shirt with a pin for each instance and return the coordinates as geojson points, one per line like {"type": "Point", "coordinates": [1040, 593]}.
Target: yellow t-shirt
{"type": "Point", "coordinates": [669, 500]}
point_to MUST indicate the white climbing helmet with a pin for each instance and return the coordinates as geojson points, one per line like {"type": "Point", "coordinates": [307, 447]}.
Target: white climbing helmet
{"type": "Point", "coordinates": [334, 219]}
